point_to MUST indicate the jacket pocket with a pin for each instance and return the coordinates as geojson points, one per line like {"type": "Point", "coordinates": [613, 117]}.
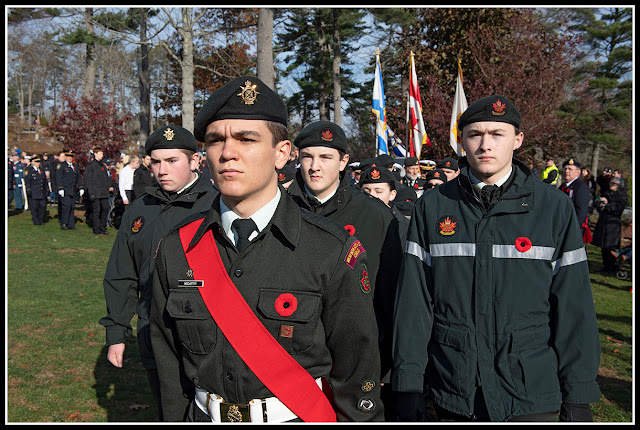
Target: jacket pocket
{"type": "Point", "coordinates": [533, 363]}
{"type": "Point", "coordinates": [450, 360]}
{"type": "Point", "coordinates": [194, 324]}
{"type": "Point", "coordinates": [291, 317]}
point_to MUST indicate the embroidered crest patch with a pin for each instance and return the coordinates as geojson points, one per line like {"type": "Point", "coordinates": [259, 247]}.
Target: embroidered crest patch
{"type": "Point", "coordinates": [364, 280]}
{"type": "Point", "coordinates": [447, 226]}
{"type": "Point", "coordinates": [137, 225]}
{"type": "Point", "coordinates": [353, 254]}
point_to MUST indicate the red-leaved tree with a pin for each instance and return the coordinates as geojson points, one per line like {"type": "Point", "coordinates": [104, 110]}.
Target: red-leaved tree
{"type": "Point", "coordinates": [89, 123]}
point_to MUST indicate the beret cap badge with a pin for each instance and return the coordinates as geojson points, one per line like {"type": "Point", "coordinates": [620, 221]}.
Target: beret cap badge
{"type": "Point", "coordinates": [248, 93]}
{"type": "Point", "coordinates": [498, 108]}
{"type": "Point", "coordinates": [327, 135]}
{"type": "Point", "coordinates": [168, 134]}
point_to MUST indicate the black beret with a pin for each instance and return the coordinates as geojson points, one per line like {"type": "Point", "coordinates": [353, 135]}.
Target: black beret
{"type": "Point", "coordinates": [286, 174]}
{"type": "Point", "coordinates": [246, 97]}
{"type": "Point", "coordinates": [385, 160]}
{"type": "Point", "coordinates": [411, 161]}
{"type": "Point", "coordinates": [366, 163]}
{"type": "Point", "coordinates": [447, 163]}
{"type": "Point", "coordinates": [405, 200]}
{"type": "Point", "coordinates": [322, 133]}
{"type": "Point", "coordinates": [171, 137]}
{"type": "Point", "coordinates": [491, 109]}
{"type": "Point", "coordinates": [436, 174]}
{"type": "Point", "coordinates": [572, 162]}
{"type": "Point", "coordinates": [377, 175]}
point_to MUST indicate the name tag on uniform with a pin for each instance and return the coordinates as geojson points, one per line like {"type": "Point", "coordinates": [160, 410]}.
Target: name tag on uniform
{"type": "Point", "coordinates": [190, 283]}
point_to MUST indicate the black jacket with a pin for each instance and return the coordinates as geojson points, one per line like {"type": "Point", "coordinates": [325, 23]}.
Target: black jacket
{"type": "Point", "coordinates": [97, 180]}
{"type": "Point", "coordinates": [578, 192]}
{"type": "Point", "coordinates": [68, 178]}
{"type": "Point", "coordinates": [334, 328]}
{"type": "Point", "coordinates": [142, 178]}
{"type": "Point", "coordinates": [36, 183]}
{"type": "Point", "coordinates": [373, 222]}
{"type": "Point", "coordinates": [609, 226]}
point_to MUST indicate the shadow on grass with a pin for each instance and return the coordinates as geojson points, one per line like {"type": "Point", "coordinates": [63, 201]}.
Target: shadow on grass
{"type": "Point", "coordinates": [124, 392]}
{"type": "Point", "coordinates": [617, 391]}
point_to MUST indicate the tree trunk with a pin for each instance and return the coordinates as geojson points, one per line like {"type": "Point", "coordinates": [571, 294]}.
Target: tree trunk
{"type": "Point", "coordinates": [322, 90]}
{"type": "Point", "coordinates": [187, 70]}
{"type": "Point", "coordinates": [337, 85]}
{"type": "Point", "coordinates": [144, 82]}
{"type": "Point", "coordinates": [90, 61]}
{"type": "Point", "coordinates": [595, 157]}
{"type": "Point", "coordinates": [266, 72]}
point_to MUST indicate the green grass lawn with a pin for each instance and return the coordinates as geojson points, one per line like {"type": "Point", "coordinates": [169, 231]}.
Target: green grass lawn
{"type": "Point", "coordinates": [56, 360]}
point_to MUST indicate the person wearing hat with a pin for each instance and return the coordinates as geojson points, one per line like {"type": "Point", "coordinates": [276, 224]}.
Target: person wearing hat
{"type": "Point", "coordinates": [608, 230]}
{"type": "Point", "coordinates": [494, 298]}
{"type": "Point", "coordinates": [603, 180]}
{"type": "Point", "coordinates": [578, 192]}
{"type": "Point", "coordinates": [388, 161]}
{"type": "Point", "coordinates": [178, 191]}
{"type": "Point", "coordinates": [405, 201]}
{"type": "Point", "coordinates": [286, 175]}
{"type": "Point", "coordinates": [322, 187]}
{"type": "Point", "coordinates": [18, 170]}
{"type": "Point", "coordinates": [237, 334]}
{"type": "Point", "coordinates": [98, 184]}
{"type": "Point", "coordinates": [37, 189]}
{"type": "Point", "coordinates": [551, 173]}
{"type": "Point", "coordinates": [434, 178]}
{"type": "Point", "coordinates": [449, 166]}
{"type": "Point", "coordinates": [381, 183]}
{"type": "Point", "coordinates": [69, 186]}
{"type": "Point", "coordinates": [412, 177]}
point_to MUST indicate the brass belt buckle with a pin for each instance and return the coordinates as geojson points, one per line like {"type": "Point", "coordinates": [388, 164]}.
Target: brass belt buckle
{"type": "Point", "coordinates": [233, 413]}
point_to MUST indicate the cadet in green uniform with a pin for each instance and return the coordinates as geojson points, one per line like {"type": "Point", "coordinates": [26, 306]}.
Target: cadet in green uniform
{"type": "Point", "coordinates": [317, 321]}
{"type": "Point", "coordinates": [179, 192]}
{"type": "Point", "coordinates": [322, 186]}
{"type": "Point", "coordinates": [494, 312]}
{"type": "Point", "coordinates": [381, 183]}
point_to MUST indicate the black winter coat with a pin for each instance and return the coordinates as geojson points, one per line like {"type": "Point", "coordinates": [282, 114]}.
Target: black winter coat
{"type": "Point", "coordinates": [609, 227]}
{"type": "Point", "coordinates": [97, 180]}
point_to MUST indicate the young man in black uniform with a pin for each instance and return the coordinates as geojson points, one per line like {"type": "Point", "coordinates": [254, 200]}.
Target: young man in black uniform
{"type": "Point", "coordinates": [178, 193]}
{"type": "Point", "coordinates": [494, 314]}
{"type": "Point", "coordinates": [69, 184]}
{"type": "Point", "coordinates": [98, 184]}
{"type": "Point", "coordinates": [263, 347]}
{"type": "Point", "coordinates": [322, 186]}
{"type": "Point", "coordinates": [35, 181]}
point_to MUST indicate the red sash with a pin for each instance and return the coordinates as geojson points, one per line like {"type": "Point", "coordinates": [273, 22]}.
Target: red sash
{"type": "Point", "coordinates": [275, 368]}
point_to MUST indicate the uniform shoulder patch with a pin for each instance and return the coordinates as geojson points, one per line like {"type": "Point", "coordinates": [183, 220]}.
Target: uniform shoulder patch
{"type": "Point", "coordinates": [354, 252]}
{"type": "Point", "coordinates": [364, 280]}
{"type": "Point", "coordinates": [447, 225]}
{"type": "Point", "coordinates": [137, 225]}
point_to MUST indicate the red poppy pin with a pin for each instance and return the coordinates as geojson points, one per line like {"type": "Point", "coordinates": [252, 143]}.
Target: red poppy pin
{"type": "Point", "coordinates": [523, 244]}
{"type": "Point", "coordinates": [351, 229]}
{"type": "Point", "coordinates": [286, 304]}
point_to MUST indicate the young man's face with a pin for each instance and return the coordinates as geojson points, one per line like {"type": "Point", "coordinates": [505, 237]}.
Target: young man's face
{"type": "Point", "coordinates": [172, 168]}
{"type": "Point", "coordinates": [98, 155]}
{"type": "Point", "coordinates": [382, 191]}
{"type": "Point", "coordinates": [243, 161]}
{"type": "Point", "coordinates": [320, 167]}
{"type": "Point", "coordinates": [451, 174]}
{"type": "Point", "coordinates": [489, 147]}
{"type": "Point", "coordinates": [146, 160]}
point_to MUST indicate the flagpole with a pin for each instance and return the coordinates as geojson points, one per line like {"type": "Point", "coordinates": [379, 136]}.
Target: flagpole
{"type": "Point", "coordinates": [412, 150]}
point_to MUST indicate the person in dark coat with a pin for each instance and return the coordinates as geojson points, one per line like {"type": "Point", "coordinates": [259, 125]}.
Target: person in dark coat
{"type": "Point", "coordinates": [98, 184]}
{"type": "Point", "coordinates": [412, 177]}
{"type": "Point", "coordinates": [142, 176]}
{"type": "Point", "coordinates": [315, 324]}
{"type": "Point", "coordinates": [322, 186]}
{"type": "Point", "coordinates": [37, 187]}
{"type": "Point", "coordinates": [608, 229]}
{"type": "Point", "coordinates": [577, 191]}
{"type": "Point", "coordinates": [179, 192]}
{"type": "Point", "coordinates": [69, 185]}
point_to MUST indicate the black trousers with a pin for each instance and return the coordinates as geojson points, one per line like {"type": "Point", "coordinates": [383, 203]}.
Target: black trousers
{"type": "Point", "coordinates": [608, 260]}
{"type": "Point", "coordinates": [99, 211]}
{"type": "Point", "coordinates": [67, 206]}
{"type": "Point", "coordinates": [38, 208]}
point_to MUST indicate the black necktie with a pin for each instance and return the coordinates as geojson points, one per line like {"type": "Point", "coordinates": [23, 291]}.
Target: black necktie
{"type": "Point", "coordinates": [486, 194]}
{"type": "Point", "coordinates": [244, 228]}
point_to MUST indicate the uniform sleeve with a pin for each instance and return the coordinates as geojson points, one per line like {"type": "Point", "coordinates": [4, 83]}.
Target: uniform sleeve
{"type": "Point", "coordinates": [175, 403]}
{"type": "Point", "coordinates": [574, 329]}
{"type": "Point", "coordinates": [352, 338]}
{"type": "Point", "coordinates": [413, 315]}
{"type": "Point", "coordinates": [120, 289]}
{"type": "Point", "coordinates": [582, 203]}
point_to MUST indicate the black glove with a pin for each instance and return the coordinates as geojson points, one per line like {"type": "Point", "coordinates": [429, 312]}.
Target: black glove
{"type": "Point", "coordinates": [411, 407]}
{"type": "Point", "coordinates": [570, 412]}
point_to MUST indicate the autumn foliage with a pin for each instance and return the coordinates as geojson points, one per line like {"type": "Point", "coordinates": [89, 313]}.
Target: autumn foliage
{"type": "Point", "coordinates": [89, 123]}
